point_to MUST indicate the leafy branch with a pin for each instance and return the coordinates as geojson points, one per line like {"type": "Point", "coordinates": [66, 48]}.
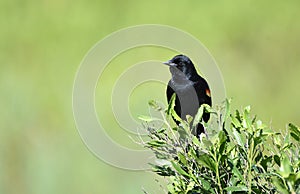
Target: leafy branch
{"type": "Point", "coordinates": [238, 153]}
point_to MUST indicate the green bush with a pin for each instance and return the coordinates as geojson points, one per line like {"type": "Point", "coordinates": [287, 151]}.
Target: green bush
{"type": "Point", "coordinates": [237, 154]}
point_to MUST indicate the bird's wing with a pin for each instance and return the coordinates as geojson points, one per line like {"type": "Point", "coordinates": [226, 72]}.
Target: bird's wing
{"type": "Point", "coordinates": [204, 95]}
{"type": "Point", "coordinates": [203, 92]}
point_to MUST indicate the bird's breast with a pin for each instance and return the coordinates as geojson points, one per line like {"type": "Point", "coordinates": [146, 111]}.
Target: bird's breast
{"type": "Point", "coordinates": [181, 85]}
{"type": "Point", "coordinates": [187, 97]}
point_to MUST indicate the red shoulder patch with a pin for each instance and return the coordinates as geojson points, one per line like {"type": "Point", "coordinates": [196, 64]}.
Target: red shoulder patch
{"type": "Point", "coordinates": [207, 92]}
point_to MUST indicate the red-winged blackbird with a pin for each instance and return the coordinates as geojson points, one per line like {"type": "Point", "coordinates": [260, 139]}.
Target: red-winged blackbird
{"type": "Point", "coordinates": [191, 89]}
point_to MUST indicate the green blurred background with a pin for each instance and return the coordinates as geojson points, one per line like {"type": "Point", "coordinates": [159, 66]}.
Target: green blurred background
{"type": "Point", "coordinates": [255, 43]}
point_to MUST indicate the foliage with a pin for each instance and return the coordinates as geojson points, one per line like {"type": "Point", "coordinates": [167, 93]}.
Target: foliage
{"type": "Point", "coordinates": [238, 153]}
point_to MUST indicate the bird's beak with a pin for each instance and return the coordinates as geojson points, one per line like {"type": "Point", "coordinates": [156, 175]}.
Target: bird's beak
{"type": "Point", "coordinates": [169, 63]}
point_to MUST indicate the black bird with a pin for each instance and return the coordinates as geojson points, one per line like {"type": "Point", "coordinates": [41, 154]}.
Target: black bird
{"type": "Point", "coordinates": [191, 89]}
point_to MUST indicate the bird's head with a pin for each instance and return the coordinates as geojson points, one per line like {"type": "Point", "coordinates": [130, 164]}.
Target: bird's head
{"type": "Point", "coordinates": [181, 65]}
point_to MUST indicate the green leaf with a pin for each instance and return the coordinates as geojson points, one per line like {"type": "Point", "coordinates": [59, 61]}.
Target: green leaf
{"type": "Point", "coordinates": [227, 108]}
{"type": "Point", "coordinates": [279, 185]}
{"type": "Point", "coordinates": [238, 116]}
{"type": "Point", "coordinates": [239, 138]}
{"type": "Point", "coordinates": [171, 104]}
{"type": "Point", "coordinates": [206, 185]}
{"type": "Point", "coordinates": [196, 141]}
{"type": "Point", "coordinates": [190, 186]}
{"type": "Point", "coordinates": [264, 162]}
{"type": "Point", "coordinates": [286, 142]}
{"type": "Point", "coordinates": [182, 158]}
{"type": "Point", "coordinates": [292, 177]}
{"type": "Point", "coordinates": [179, 169]}
{"type": "Point", "coordinates": [222, 137]}
{"type": "Point", "coordinates": [156, 143]}
{"type": "Point", "coordinates": [247, 110]}
{"type": "Point", "coordinates": [175, 116]}
{"type": "Point", "coordinates": [296, 137]}
{"type": "Point", "coordinates": [285, 167]}
{"type": "Point", "coordinates": [269, 132]}
{"type": "Point", "coordinates": [277, 159]}
{"type": "Point", "coordinates": [235, 122]}
{"type": "Point", "coordinates": [161, 130]}
{"type": "Point", "coordinates": [198, 116]}
{"type": "Point", "coordinates": [246, 121]}
{"type": "Point", "coordinates": [237, 173]}
{"type": "Point", "coordinates": [236, 188]}
{"type": "Point", "coordinates": [295, 131]}
{"type": "Point", "coordinates": [277, 141]}
{"type": "Point", "coordinates": [153, 104]}
{"type": "Point", "coordinates": [260, 125]}
{"type": "Point", "coordinates": [163, 170]}
{"type": "Point", "coordinates": [205, 160]}
{"type": "Point", "coordinates": [170, 109]}
{"type": "Point", "coordinates": [258, 140]}
{"type": "Point", "coordinates": [146, 118]}
{"type": "Point", "coordinates": [189, 119]}
{"type": "Point", "coordinates": [206, 142]}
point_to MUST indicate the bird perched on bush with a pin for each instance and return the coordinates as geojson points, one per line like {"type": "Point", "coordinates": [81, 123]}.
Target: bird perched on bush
{"type": "Point", "coordinates": [190, 88]}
